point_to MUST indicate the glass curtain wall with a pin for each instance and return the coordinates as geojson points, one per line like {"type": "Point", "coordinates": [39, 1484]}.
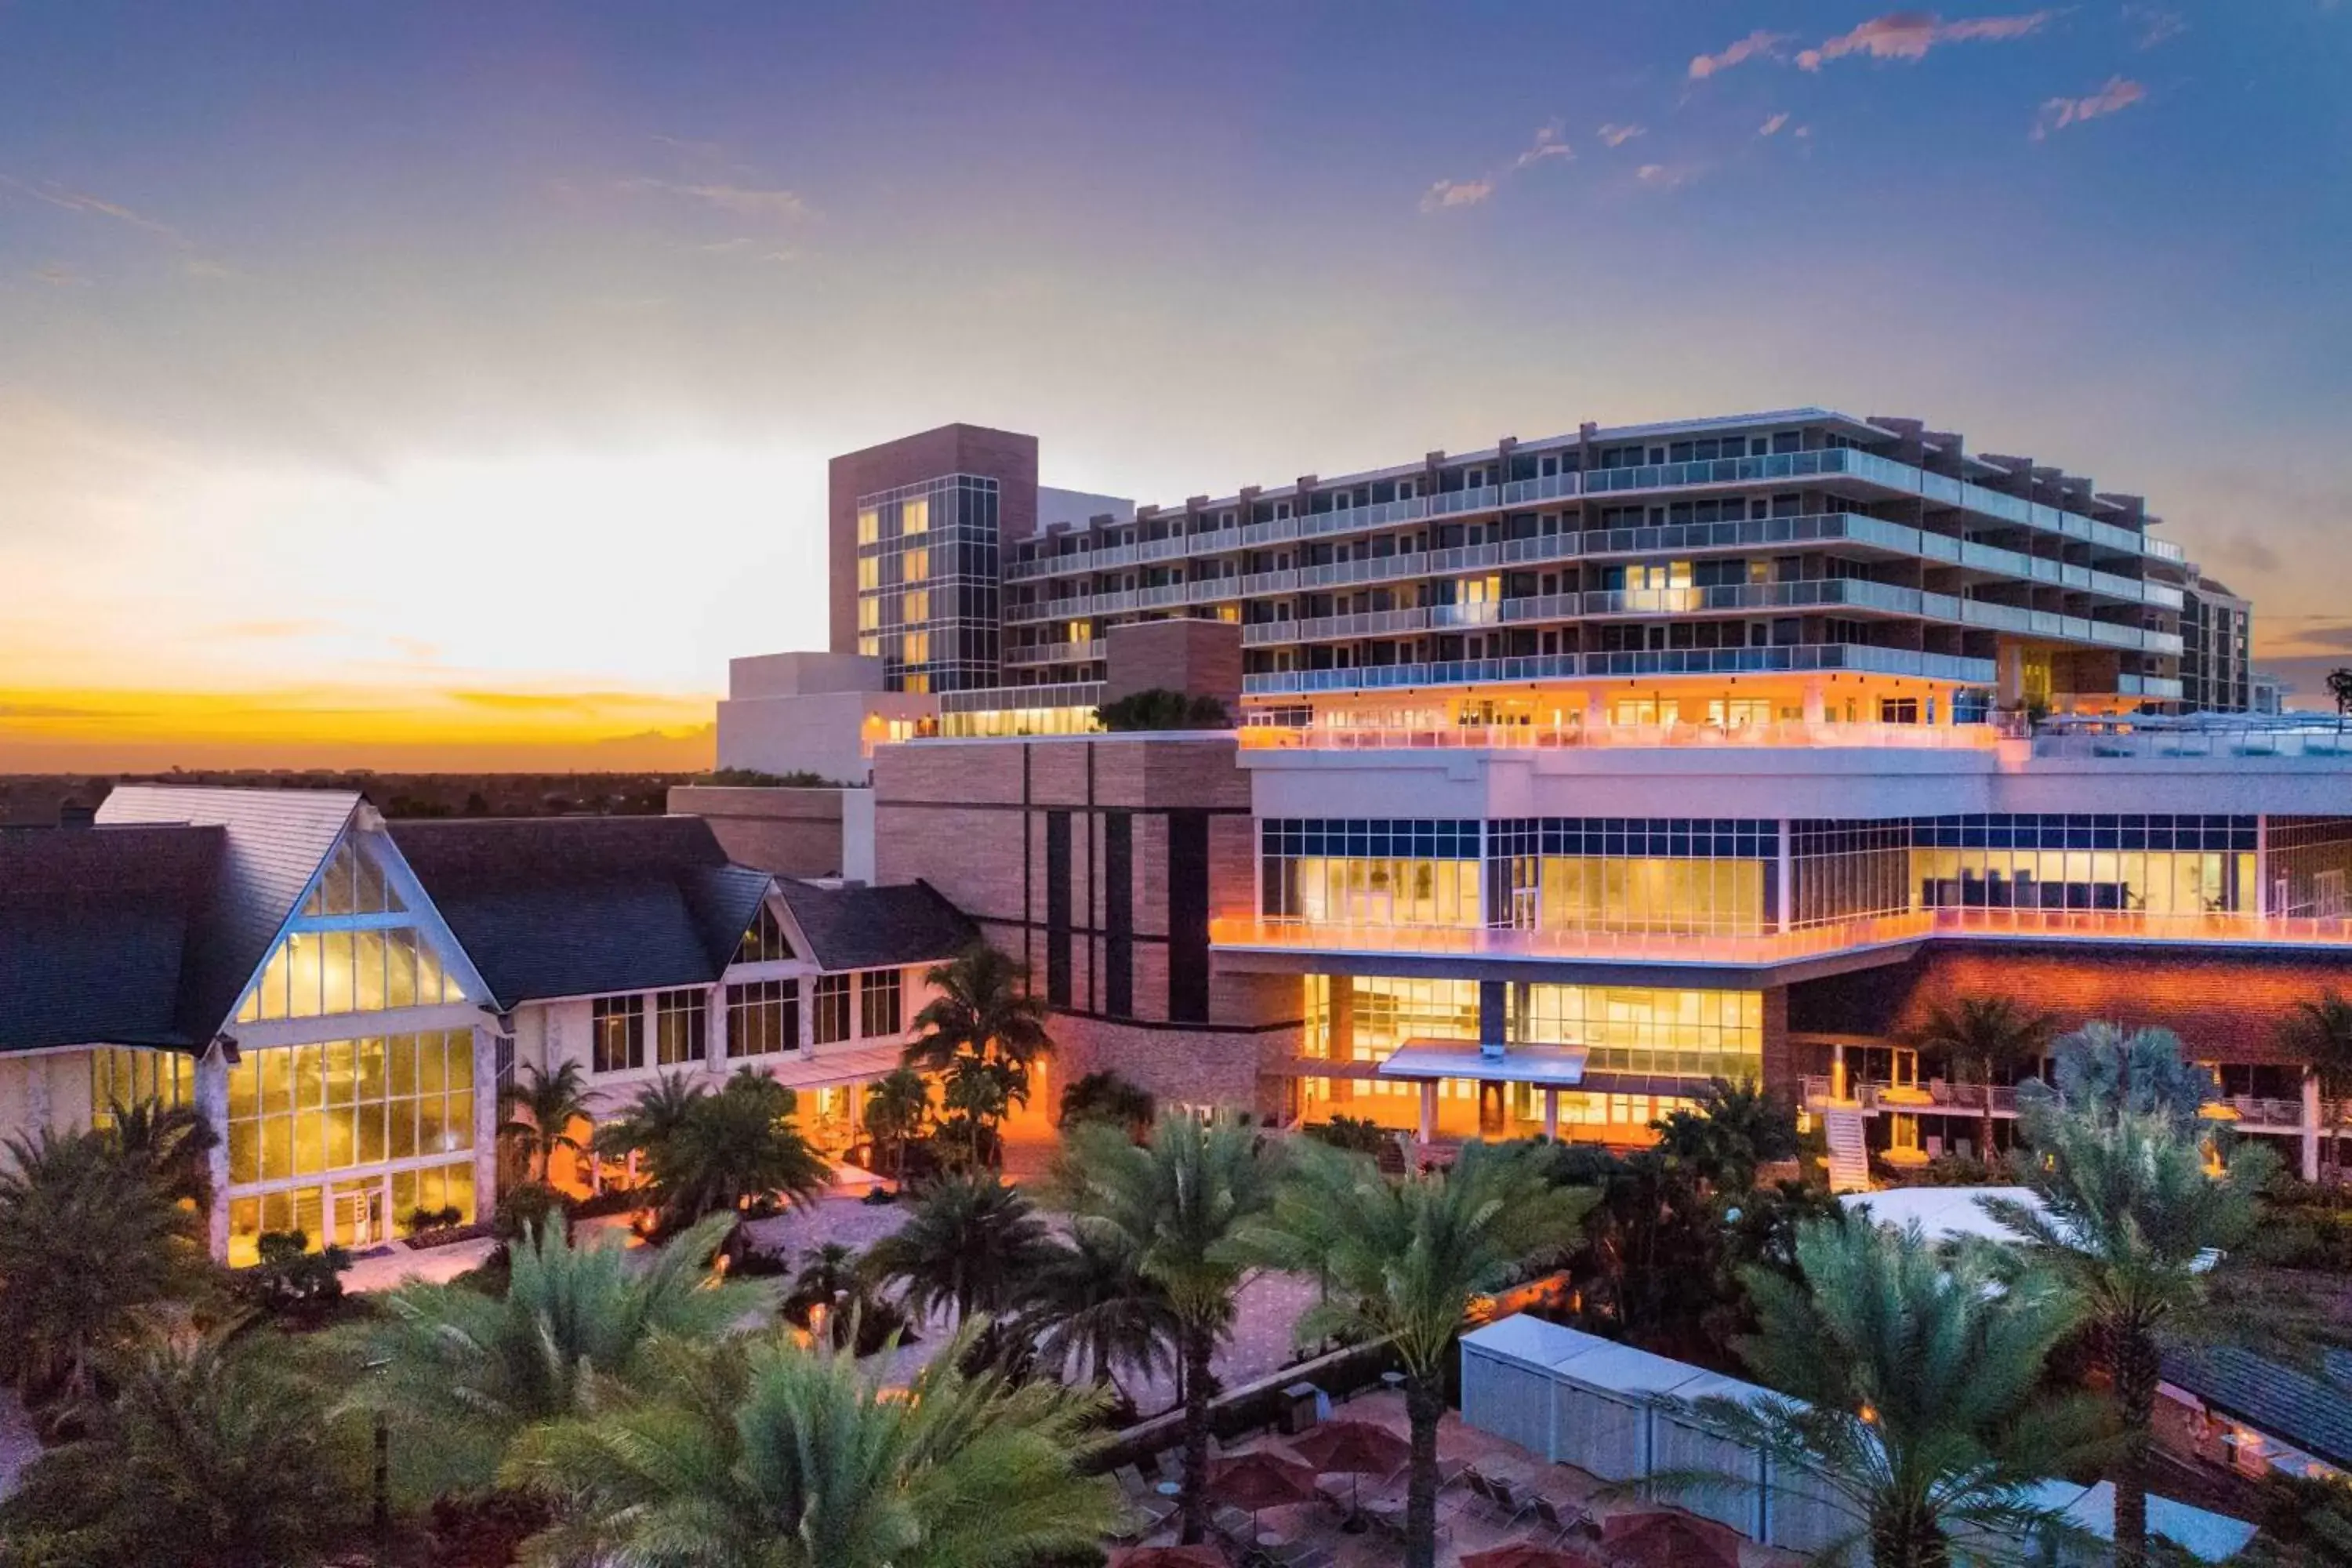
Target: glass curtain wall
{"type": "Point", "coordinates": [357, 1132]}
{"type": "Point", "coordinates": [929, 582]}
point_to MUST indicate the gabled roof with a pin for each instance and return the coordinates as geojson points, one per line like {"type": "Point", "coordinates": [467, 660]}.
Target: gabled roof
{"type": "Point", "coordinates": [577, 906]}
{"type": "Point", "coordinates": [272, 842]}
{"type": "Point", "coordinates": [2283, 1402]}
{"type": "Point", "coordinates": [95, 928]}
{"type": "Point", "coordinates": [857, 927]}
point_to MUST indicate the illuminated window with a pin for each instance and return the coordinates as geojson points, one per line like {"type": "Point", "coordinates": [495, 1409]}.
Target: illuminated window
{"type": "Point", "coordinates": [1080, 632]}
{"type": "Point", "coordinates": [915, 648]}
{"type": "Point", "coordinates": [764, 942]}
{"type": "Point", "coordinates": [915, 607]}
{"type": "Point", "coordinates": [915, 566]}
{"type": "Point", "coordinates": [124, 1078]}
{"type": "Point", "coordinates": [353, 948]}
{"type": "Point", "coordinates": [678, 1024]}
{"type": "Point", "coordinates": [870, 647]}
{"type": "Point", "coordinates": [870, 572]}
{"type": "Point", "coordinates": [869, 525]}
{"type": "Point", "coordinates": [869, 614]}
{"type": "Point", "coordinates": [916, 517]}
{"type": "Point", "coordinates": [616, 1034]}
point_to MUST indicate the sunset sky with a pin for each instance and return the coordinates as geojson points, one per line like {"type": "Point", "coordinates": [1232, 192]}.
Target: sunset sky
{"type": "Point", "coordinates": [450, 384]}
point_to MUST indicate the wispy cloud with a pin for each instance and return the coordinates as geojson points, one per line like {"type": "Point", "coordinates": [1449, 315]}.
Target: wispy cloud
{"type": "Point", "coordinates": [2057, 113]}
{"type": "Point", "coordinates": [1772, 127]}
{"type": "Point", "coordinates": [1447, 194]}
{"type": "Point", "coordinates": [1758, 42]}
{"type": "Point", "coordinates": [1909, 35]}
{"type": "Point", "coordinates": [1549, 143]}
{"type": "Point", "coordinates": [58, 275]}
{"type": "Point", "coordinates": [73, 201]}
{"type": "Point", "coordinates": [1666, 176]}
{"type": "Point", "coordinates": [275, 630]}
{"type": "Point", "coordinates": [1618, 135]}
{"type": "Point", "coordinates": [2155, 24]}
{"type": "Point", "coordinates": [743, 200]}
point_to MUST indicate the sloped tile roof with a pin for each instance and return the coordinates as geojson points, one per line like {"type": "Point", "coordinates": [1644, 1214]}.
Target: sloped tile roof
{"type": "Point", "coordinates": [876, 928]}
{"type": "Point", "coordinates": [2312, 1413]}
{"type": "Point", "coordinates": [573, 906]}
{"type": "Point", "coordinates": [95, 928]}
{"type": "Point", "coordinates": [272, 843]}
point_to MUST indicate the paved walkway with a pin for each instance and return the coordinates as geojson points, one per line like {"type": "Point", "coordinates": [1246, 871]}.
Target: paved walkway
{"type": "Point", "coordinates": [394, 1264]}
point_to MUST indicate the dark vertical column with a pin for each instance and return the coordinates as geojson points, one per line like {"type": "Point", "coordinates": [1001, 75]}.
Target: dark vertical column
{"type": "Point", "coordinates": [1188, 917]}
{"type": "Point", "coordinates": [1118, 913]}
{"type": "Point", "coordinates": [1057, 908]}
{"type": "Point", "coordinates": [1494, 1012]}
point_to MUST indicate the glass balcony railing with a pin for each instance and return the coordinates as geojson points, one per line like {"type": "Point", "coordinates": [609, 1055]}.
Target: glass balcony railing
{"type": "Point", "coordinates": [1799, 658]}
{"type": "Point", "coordinates": [1619, 737]}
{"type": "Point", "coordinates": [1243, 934]}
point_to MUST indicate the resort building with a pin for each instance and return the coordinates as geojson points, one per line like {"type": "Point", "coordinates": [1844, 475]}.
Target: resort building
{"type": "Point", "coordinates": [343, 998]}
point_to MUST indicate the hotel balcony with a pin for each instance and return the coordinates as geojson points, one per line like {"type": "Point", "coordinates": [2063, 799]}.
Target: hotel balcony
{"type": "Point", "coordinates": [1517, 737]}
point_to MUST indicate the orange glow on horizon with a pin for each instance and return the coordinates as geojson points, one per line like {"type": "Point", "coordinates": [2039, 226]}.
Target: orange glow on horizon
{"type": "Point", "coordinates": [414, 729]}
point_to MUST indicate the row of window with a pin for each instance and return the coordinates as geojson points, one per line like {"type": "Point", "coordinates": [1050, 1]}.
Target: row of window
{"type": "Point", "coordinates": [296, 1110]}
{"type": "Point", "coordinates": [762, 1018]}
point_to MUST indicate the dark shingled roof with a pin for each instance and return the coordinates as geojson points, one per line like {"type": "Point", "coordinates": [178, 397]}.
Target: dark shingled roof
{"type": "Point", "coordinates": [2314, 1414]}
{"type": "Point", "coordinates": [575, 906]}
{"type": "Point", "coordinates": [875, 928]}
{"type": "Point", "coordinates": [272, 843]}
{"type": "Point", "coordinates": [94, 929]}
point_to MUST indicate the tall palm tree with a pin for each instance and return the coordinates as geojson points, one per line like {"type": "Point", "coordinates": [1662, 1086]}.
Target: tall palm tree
{"type": "Point", "coordinates": [970, 1243]}
{"type": "Point", "coordinates": [1735, 1128]}
{"type": "Point", "coordinates": [460, 1373]}
{"type": "Point", "coordinates": [1909, 1387]}
{"type": "Point", "coordinates": [1090, 1306]}
{"type": "Point", "coordinates": [982, 1007]}
{"type": "Point", "coordinates": [1983, 1036]}
{"type": "Point", "coordinates": [897, 1106]}
{"type": "Point", "coordinates": [549, 1103]}
{"type": "Point", "coordinates": [1178, 1206]}
{"type": "Point", "coordinates": [88, 1236]}
{"type": "Point", "coordinates": [2128, 1217]}
{"type": "Point", "coordinates": [2321, 1033]}
{"type": "Point", "coordinates": [773, 1456]}
{"type": "Point", "coordinates": [657, 1112]}
{"type": "Point", "coordinates": [1403, 1259]}
{"type": "Point", "coordinates": [210, 1453]}
{"type": "Point", "coordinates": [2109, 1070]}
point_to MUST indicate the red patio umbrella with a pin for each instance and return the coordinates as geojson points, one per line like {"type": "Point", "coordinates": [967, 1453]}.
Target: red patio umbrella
{"type": "Point", "coordinates": [1353, 1448]}
{"type": "Point", "coordinates": [1664, 1538]}
{"type": "Point", "coordinates": [1526, 1554]}
{"type": "Point", "coordinates": [1262, 1479]}
{"type": "Point", "coordinates": [1173, 1557]}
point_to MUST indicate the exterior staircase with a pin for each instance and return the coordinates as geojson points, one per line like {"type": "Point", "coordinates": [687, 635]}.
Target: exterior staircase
{"type": "Point", "coordinates": [1849, 1153]}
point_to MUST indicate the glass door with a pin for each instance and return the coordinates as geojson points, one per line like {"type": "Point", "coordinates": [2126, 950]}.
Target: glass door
{"type": "Point", "coordinates": [358, 1209]}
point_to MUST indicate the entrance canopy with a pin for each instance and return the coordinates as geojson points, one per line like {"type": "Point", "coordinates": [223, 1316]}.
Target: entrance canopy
{"type": "Point", "coordinates": [1547, 1067]}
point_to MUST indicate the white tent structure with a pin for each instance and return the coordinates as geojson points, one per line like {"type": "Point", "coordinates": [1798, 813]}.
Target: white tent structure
{"type": "Point", "coordinates": [1622, 1414]}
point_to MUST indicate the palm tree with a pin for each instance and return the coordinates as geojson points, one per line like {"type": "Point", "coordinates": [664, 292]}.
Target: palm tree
{"type": "Point", "coordinates": [977, 1097]}
{"type": "Point", "coordinates": [2321, 1033]}
{"type": "Point", "coordinates": [2106, 1070]}
{"type": "Point", "coordinates": [1092, 1307]}
{"type": "Point", "coordinates": [209, 1453]}
{"type": "Point", "coordinates": [1909, 1387]}
{"type": "Point", "coordinates": [731, 1147]}
{"type": "Point", "coordinates": [1177, 1206]}
{"type": "Point", "coordinates": [549, 1103]}
{"type": "Point", "coordinates": [1983, 1036]}
{"type": "Point", "coordinates": [1736, 1128]}
{"type": "Point", "coordinates": [657, 1114]}
{"type": "Point", "coordinates": [87, 1237]}
{"type": "Point", "coordinates": [773, 1456]}
{"type": "Point", "coordinates": [896, 1107]}
{"type": "Point", "coordinates": [174, 1144]}
{"type": "Point", "coordinates": [460, 1373]}
{"type": "Point", "coordinates": [1107, 1097]}
{"type": "Point", "coordinates": [982, 1007]}
{"type": "Point", "coordinates": [1403, 1260]}
{"type": "Point", "coordinates": [2128, 1218]}
{"type": "Point", "coordinates": [971, 1244]}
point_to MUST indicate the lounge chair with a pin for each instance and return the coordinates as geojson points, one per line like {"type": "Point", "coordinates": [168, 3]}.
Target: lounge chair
{"type": "Point", "coordinates": [1561, 1522]}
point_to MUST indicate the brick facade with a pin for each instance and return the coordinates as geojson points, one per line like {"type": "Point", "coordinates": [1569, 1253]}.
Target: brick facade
{"type": "Point", "coordinates": [2225, 1007]}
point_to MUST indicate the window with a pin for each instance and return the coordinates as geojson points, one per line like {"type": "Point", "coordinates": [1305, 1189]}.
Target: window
{"type": "Point", "coordinates": [765, 942]}
{"type": "Point", "coordinates": [353, 948]}
{"type": "Point", "coordinates": [764, 1017]}
{"type": "Point", "coordinates": [916, 607]}
{"type": "Point", "coordinates": [617, 1033]}
{"type": "Point", "coordinates": [126, 1077]}
{"type": "Point", "coordinates": [869, 525]}
{"type": "Point", "coordinates": [677, 1028]}
{"type": "Point", "coordinates": [915, 516]}
{"type": "Point", "coordinates": [832, 1018]}
{"type": "Point", "coordinates": [879, 1003]}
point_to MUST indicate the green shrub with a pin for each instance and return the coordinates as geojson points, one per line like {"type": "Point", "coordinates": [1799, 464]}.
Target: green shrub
{"type": "Point", "coordinates": [1159, 708]}
{"type": "Point", "coordinates": [1357, 1134]}
{"type": "Point", "coordinates": [527, 1205]}
{"type": "Point", "coordinates": [290, 1278]}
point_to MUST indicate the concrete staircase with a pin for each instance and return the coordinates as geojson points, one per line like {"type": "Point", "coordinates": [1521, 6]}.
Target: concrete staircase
{"type": "Point", "coordinates": [1849, 1153]}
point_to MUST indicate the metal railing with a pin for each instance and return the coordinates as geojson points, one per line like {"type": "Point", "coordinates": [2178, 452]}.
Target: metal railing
{"type": "Point", "coordinates": [2232, 736]}
{"type": "Point", "coordinates": [1607, 736]}
{"type": "Point", "coordinates": [1240, 933]}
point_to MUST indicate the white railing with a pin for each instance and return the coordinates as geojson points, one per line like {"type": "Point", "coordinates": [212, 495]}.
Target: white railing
{"type": "Point", "coordinates": [1521, 737]}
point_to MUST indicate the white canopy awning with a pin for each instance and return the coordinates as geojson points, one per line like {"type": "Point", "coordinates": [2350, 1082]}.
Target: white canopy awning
{"type": "Point", "coordinates": [1547, 1067]}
